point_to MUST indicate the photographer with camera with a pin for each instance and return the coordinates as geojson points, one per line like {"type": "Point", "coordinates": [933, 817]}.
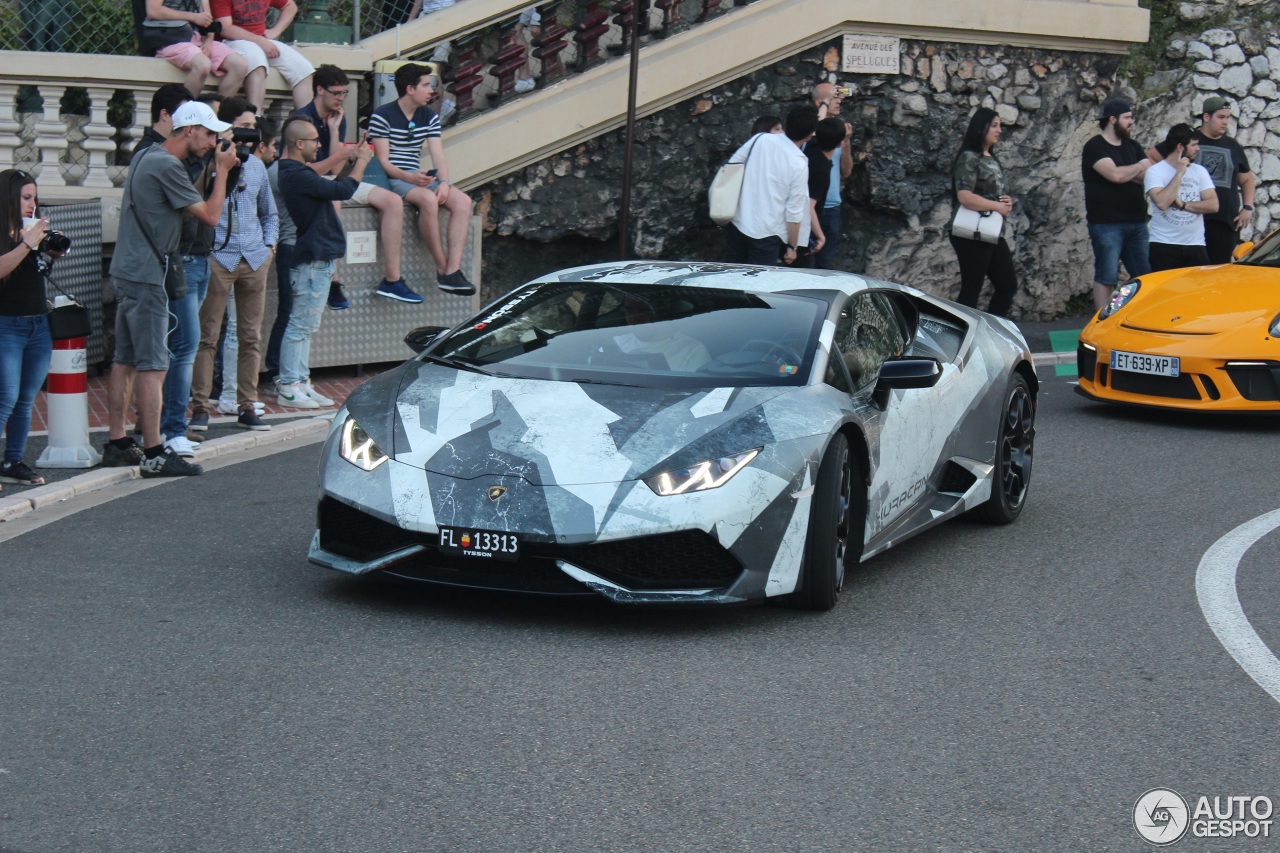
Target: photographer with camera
{"type": "Point", "coordinates": [184, 33]}
{"type": "Point", "coordinates": [157, 192]}
{"type": "Point", "coordinates": [26, 245]}
{"type": "Point", "coordinates": [243, 246]}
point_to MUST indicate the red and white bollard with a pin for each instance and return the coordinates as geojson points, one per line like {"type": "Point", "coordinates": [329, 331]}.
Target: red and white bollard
{"type": "Point", "coordinates": [68, 407]}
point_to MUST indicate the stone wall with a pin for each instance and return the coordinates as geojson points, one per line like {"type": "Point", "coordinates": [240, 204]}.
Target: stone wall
{"type": "Point", "coordinates": [564, 210]}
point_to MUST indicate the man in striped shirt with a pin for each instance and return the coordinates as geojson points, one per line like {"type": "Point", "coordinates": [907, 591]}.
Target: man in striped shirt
{"type": "Point", "coordinates": [398, 131]}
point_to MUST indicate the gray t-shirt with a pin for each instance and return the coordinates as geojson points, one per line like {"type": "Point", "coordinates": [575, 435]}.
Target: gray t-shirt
{"type": "Point", "coordinates": [288, 231]}
{"type": "Point", "coordinates": [159, 189]}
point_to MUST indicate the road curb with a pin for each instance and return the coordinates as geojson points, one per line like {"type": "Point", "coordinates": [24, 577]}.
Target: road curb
{"type": "Point", "coordinates": [16, 506]}
{"type": "Point", "coordinates": [1049, 359]}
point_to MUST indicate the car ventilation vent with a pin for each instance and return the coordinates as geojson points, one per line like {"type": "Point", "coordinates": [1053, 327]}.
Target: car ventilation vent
{"type": "Point", "coordinates": [955, 479]}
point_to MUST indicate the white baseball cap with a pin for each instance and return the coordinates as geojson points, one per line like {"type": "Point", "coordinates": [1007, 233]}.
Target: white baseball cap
{"type": "Point", "coordinates": [198, 113]}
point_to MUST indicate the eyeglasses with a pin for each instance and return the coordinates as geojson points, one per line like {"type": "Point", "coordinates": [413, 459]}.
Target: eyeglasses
{"type": "Point", "coordinates": [340, 93]}
{"type": "Point", "coordinates": [314, 139]}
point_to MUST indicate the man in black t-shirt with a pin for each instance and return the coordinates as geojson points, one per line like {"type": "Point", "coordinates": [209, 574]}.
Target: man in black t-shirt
{"type": "Point", "coordinates": [1233, 181]}
{"type": "Point", "coordinates": [1113, 166]}
{"type": "Point", "coordinates": [826, 139]}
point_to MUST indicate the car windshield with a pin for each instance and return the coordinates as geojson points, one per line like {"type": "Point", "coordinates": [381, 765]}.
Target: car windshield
{"type": "Point", "coordinates": [649, 335]}
{"type": "Point", "coordinates": [1266, 253]}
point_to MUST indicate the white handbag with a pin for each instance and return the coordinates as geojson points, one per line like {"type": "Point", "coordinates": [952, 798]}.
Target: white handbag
{"type": "Point", "coordinates": [726, 188]}
{"type": "Point", "coordinates": [984, 225]}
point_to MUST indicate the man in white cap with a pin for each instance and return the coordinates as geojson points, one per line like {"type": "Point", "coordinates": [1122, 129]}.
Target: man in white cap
{"type": "Point", "coordinates": [145, 269]}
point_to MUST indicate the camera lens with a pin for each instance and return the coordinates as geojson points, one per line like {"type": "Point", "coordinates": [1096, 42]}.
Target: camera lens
{"type": "Point", "coordinates": [55, 241]}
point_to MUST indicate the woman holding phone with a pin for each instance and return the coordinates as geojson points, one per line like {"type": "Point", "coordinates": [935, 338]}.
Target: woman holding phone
{"type": "Point", "coordinates": [25, 343]}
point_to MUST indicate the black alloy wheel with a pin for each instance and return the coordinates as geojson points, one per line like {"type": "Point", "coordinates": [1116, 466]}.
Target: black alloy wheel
{"type": "Point", "coordinates": [1015, 442]}
{"type": "Point", "coordinates": [837, 522]}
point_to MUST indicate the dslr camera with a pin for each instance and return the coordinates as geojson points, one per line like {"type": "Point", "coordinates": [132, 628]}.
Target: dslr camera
{"type": "Point", "coordinates": [214, 29]}
{"type": "Point", "coordinates": [245, 139]}
{"type": "Point", "coordinates": [55, 241]}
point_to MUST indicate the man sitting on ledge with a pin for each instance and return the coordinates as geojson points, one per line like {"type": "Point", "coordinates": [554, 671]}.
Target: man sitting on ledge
{"type": "Point", "coordinates": [398, 131]}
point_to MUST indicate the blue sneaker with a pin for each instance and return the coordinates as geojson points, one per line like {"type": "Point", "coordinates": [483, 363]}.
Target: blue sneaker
{"type": "Point", "coordinates": [248, 420]}
{"type": "Point", "coordinates": [337, 299]}
{"type": "Point", "coordinates": [399, 291]}
{"type": "Point", "coordinates": [199, 421]}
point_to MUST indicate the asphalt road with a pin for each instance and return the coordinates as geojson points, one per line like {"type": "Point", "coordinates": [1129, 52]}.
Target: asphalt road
{"type": "Point", "coordinates": [176, 677]}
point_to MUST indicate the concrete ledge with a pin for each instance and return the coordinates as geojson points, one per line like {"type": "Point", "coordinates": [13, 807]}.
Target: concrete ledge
{"type": "Point", "coordinates": [100, 478]}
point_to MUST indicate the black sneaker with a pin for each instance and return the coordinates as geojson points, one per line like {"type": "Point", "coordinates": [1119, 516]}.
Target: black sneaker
{"type": "Point", "coordinates": [455, 282]}
{"type": "Point", "coordinates": [337, 299]}
{"type": "Point", "coordinates": [20, 472]}
{"type": "Point", "coordinates": [248, 420]}
{"type": "Point", "coordinates": [115, 457]}
{"type": "Point", "coordinates": [168, 464]}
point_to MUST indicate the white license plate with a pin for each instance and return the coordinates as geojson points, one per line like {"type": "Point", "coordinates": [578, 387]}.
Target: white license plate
{"type": "Point", "coordinates": [1137, 362]}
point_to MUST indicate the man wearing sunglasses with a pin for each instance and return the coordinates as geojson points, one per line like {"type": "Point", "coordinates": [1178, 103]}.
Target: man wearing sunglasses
{"type": "Point", "coordinates": [327, 112]}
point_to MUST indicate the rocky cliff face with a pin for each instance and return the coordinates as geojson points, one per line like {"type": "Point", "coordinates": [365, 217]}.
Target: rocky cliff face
{"type": "Point", "coordinates": [564, 210]}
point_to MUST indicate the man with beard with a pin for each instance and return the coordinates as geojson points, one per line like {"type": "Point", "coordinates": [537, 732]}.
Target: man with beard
{"type": "Point", "coordinates": [1233, 181]}
{"type": "Point", "coordinates": [1114, 166]}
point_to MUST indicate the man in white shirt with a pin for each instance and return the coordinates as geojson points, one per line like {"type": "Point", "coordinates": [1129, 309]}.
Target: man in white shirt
{"type": "Point", "coordinates": [772, 218]}
{"type": "Point", "coordinates": [1181, 192]}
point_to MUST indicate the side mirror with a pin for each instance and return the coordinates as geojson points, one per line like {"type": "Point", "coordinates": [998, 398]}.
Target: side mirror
{"type": "Point", "coordinates": [421, 337]}
{"type": "Point", "coordinates": [909, 371]}
{"type": "Point", "coordinates": [1243, 249]}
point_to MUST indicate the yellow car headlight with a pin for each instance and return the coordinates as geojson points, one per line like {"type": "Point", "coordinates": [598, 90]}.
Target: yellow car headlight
{"type": "Point", "coordinates": [710, 474]}
{"type": "Point", "coordinates": [358, 448]}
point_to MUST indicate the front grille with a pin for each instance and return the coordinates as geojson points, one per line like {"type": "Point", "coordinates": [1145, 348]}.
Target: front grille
{"type": "Point", "coordinates": [356, 535]}
{"type": "Point", "coordinates": [1181, 387]}
{"type": "Point", "coordinates": [1260, 383]}
{"type": "Point", "coordinates": [688, 559]}
{"type": "Point", "coordinates": [1086, 362]}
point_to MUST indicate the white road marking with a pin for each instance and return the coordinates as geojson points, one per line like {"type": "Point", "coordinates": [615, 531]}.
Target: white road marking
{"type": "Point", "coordinates": [1216, 590]}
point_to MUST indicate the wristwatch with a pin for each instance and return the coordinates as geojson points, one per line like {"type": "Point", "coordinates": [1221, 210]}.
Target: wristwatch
{"type": "Point", "coordinates": [791, 248]}
{"type": "Point", "coordinates": [1246, 207]}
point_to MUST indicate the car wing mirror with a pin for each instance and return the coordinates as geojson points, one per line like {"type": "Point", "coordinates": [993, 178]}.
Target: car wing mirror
{"type": "Point", "coordinates": [421, 337]}
{"type": "Point", "coordinates": [1243, 249]}
{"type": "Point", "coordinates": [909, 371]}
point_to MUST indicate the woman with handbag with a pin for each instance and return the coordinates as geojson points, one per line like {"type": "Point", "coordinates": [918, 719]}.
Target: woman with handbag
{"type": "Point", "coordinates": [25, 343]}
{"type": "Point", "coordinates": [977, 222]}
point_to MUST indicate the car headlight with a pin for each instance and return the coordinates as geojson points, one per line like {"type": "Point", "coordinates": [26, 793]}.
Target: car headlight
{"type": "Point", "coordinates": [358, 448]}
{"type": "Point", "coordinates": [711, 474]}
{"type": "Point", "coordinates": [1120, 298]}
{"type": "Point", "coordinates": [1274, 328]}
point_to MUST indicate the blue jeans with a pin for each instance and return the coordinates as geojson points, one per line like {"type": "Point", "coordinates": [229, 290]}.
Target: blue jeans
{"type": "Point", "coordinates": [829, 219]}
{"type": "Point", "coordinates": [1114, 242]}
{"type": "Point", "coordinates": [184, 339]}
{"type": "Point", "coordinates": [25, 351]}
{"type": "Point", "coordinates": [284, 305]}
{"type": "Point", "coordinates": [310, 291]}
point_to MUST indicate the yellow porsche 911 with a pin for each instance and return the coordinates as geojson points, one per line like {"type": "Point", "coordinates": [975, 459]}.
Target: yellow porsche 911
{"type": "Point", "coordinates": [1203, 338]}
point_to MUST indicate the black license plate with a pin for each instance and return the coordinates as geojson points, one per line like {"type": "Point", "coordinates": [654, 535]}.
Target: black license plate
{"type": "Point", "coordinates": [479, 544]}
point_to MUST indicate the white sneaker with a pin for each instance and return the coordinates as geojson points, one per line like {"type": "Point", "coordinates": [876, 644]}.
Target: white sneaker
{"type": "Point", "coordinates": [309, 390]}
{"type": "Point", "coordinates": [230, 407]}
{"type": "Point", "coordinates": [291, 397]}
{"type": "Point", "coordinates": [523, 86]}
{"type": "Point", "coordinates": [180, 445]}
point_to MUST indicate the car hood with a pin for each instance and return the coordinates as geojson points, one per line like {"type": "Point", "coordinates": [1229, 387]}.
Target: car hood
{"type": "Point", "coordinates": [468, 425]}
{"type": "Point", "coordinates": [1206, 301]}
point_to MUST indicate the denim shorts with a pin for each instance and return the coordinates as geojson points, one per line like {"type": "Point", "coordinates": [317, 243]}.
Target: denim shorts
{"type": "Point", "coordinates": [1114, 242]}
